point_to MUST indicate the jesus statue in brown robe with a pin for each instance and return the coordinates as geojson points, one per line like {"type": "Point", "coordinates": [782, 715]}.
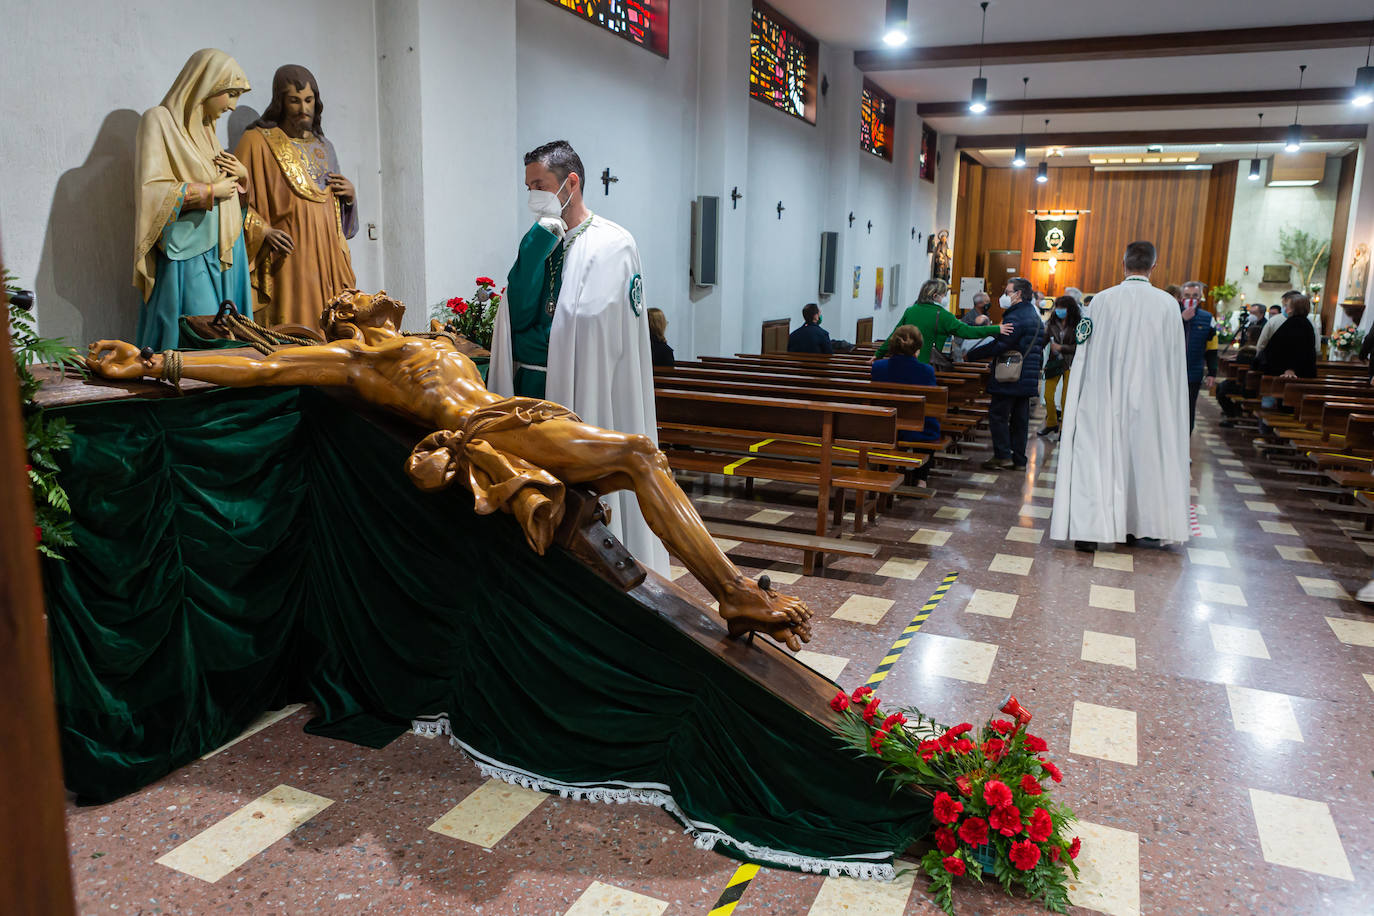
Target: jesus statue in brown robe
{"type": "Point", "coordinates": [303, 208]}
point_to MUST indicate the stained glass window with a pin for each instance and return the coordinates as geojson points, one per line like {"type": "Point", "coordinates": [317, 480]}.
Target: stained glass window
{"type": "Point", "coordinates": [877, 115]}
{"type": "Point", "coordinates": [782, 64]}
{"type": "Point", "coordinates": [644, 22]}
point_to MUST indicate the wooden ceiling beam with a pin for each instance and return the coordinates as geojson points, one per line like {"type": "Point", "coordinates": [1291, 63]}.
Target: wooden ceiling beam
{"type": "Point", "coordinates": [1305, 36]}
{"type": "Point", "coordinates": [1310, 133]}
{"type": "Point", "coordinates": [1182, 101]}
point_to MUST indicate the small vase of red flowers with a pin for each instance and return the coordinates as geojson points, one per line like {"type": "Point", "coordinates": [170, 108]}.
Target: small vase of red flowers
{"type": "Point", "coordinates": [991, 795]}
{"type": "Point", "coordinates": [472, 318]}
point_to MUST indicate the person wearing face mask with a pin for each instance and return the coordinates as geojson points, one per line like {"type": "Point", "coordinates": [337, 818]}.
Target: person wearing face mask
{"type": "Point", "coordinates": [1009, 412]}
{"type": "Point", "coordinates": [572, 327]}
{"type": "Point", "coordinates": [936, 323]}
{"type": "Point", "coordinates": [810, 337]}
{"type": "Point", "coordinates": [1200, 330]}
{"type": "Point", "coordinates": [1123, 449]}
{"type": "Point", "coordinates": [1061, 342]}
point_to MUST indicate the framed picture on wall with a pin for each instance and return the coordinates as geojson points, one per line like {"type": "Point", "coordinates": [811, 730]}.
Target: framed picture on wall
{"type": "Point", "coordinates": [878, 289]}
{"type": "Point", "coordinates": [929, 143]}
{"type": "Point", "coordinates": [856, 284]}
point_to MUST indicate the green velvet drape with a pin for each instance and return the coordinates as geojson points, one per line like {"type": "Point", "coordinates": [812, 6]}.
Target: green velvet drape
{"type": "Point", "coordinates": [240, 549]}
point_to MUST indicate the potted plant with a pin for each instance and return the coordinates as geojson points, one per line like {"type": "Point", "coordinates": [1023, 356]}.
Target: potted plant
{"type": "Point", "coordinates": [1223, 293]}
{"type": "Point", "coordinates": [1305, 252]}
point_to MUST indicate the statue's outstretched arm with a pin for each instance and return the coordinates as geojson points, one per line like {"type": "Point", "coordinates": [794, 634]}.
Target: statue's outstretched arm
{"type": "Point", "coordinates": [326, 365]}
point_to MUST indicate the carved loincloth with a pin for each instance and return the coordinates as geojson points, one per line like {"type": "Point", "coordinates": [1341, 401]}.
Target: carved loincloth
{"type": "Point", "coordinates": [498, 480]}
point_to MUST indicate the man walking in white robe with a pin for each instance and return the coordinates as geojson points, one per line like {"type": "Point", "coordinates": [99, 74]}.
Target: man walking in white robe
{"type": "Point", "coordinates": [576, 285]}
{"type": "Point", "coordinates": [1123, 453]}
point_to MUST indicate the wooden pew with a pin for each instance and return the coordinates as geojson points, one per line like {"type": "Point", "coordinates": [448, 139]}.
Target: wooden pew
{"type": "Point", "coordinates": [965, 386]}
{"type": "Point", "coordinates": [828, 424]}
{"type": "Point", "coordinates": [933, 401]}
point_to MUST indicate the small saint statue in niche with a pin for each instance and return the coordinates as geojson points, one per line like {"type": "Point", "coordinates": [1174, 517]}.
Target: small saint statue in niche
{"type": "Point", "coordinates": [1359, 276]}
{"type": "Point", "coordinates": [515, 454]}
{"type": "Point", "coordinates": [306, 209]}
{"type": "Point", "coordinates": [940, 260]}
{"type": "Point", "coordinates": [189, 247]}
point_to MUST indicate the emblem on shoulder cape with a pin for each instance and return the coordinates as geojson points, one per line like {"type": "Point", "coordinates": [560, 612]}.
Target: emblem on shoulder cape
{"type": "Point", "coordinates": [637, 294]}
{"type": "Point", "coordinates": [1085, 330]}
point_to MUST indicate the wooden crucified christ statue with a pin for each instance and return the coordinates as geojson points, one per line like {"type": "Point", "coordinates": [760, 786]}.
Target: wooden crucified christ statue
{"type": "Point", "coordinates": [514, 453]}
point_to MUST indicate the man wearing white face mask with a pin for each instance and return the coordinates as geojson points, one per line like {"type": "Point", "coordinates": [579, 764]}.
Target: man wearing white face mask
{"type": "Point", "coordinates": [572, 327]}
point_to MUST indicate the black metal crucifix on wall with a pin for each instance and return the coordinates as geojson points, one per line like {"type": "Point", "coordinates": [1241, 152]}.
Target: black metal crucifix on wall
{"type": "Point", "coordinates": [870, 227]}
{"type": "Point", "coordinates": [607, 179]}
{"type": "Point", "coordinates": [735, 197]}
{"type": "Point", "coordinates": [780, 209]}
{"type": "Point", "coordinates": [851, 219]}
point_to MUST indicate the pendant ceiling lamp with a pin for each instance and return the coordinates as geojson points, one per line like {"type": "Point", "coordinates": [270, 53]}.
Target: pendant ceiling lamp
{"type": "Point", "coordinates": [895, 29]}
{"type": "Point", "coordinates": [1042, 172]}
{"type": "Point", "coordinates": [1295, 129]}
{"type": "Point", "coordinates": [1364, 77]}
{"type": "Point", "coordinates": [1019, 160]}
{"type": "Point", "coordinates": [1255, 163]}
{"type": "Point", "coordinates": [978, 101]}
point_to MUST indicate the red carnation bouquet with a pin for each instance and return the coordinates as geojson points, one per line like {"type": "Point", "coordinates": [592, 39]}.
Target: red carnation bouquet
{"type": "Point", "coordinates": [472, 318]}
{"type": "Point", "coordinates": [991, 796]}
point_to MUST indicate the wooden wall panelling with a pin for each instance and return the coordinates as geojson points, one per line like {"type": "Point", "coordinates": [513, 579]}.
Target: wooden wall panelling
{"type": "Point", "coordinates": [1167, 208]}
{"type": "Point", "coordinates": [1331, 292]}
{"type": "Point", "coordinates": [1216, 237]}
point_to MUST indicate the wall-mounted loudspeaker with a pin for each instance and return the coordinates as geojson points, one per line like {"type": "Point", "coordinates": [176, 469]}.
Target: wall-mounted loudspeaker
{"type": "Point", "coordinates": [830, 256]}
{"type": "Point", "coordinates": [706, 241]}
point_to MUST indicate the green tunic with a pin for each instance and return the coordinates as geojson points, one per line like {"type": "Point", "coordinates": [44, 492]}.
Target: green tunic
{"type": "Point", "coordinates": [936, 325]}
{"type": "Point", "coordinates": [534, 282]}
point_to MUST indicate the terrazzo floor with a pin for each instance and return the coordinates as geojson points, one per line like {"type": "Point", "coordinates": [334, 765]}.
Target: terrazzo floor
{"type": "Point", "coordinates": [1210, 706]}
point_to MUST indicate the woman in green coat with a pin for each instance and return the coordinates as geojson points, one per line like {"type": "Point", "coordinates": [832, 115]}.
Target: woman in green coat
{"type": "Point", "coordinates": [938, 323]}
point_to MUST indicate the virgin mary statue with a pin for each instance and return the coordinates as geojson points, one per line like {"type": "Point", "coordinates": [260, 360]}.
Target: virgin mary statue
{"type": "Point", "coordinates": [189, 252]}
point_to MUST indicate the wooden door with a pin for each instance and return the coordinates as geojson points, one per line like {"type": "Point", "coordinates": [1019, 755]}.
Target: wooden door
{"type": "Point", "coordinates": [1001, 267]}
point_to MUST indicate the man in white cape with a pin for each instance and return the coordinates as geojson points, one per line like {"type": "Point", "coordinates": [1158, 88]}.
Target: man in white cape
{"type": "Point", "coordinates": [572, 328]}
{"type": "Point", "coordinates": [1123, 453]}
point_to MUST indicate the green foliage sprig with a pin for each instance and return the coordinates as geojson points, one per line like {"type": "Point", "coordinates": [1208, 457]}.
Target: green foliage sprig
{"type": "Point", "coordinates": [1306, 252]}
{"type": "Point", "coordinates": [1225, 292]}
{"type": "Point", "coordinates": [44, 437]}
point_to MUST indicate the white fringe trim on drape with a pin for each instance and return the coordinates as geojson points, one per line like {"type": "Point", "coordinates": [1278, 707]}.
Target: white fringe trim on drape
{"type": "Point", "coordinates": [868, 866]}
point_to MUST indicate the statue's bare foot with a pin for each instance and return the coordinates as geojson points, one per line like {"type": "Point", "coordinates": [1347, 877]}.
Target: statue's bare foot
{"type": "Point", "coordinates": [749, 608]}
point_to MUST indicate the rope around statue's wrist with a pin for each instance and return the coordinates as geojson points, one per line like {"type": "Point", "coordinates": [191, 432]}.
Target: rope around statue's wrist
{"type": "Point", "coordinates": [171, 368]}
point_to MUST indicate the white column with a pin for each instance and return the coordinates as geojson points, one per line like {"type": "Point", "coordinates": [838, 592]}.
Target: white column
{"type": "Point", "coordinates": [451, 174]}
{"type": "Point", "coordinates": [722, 164]}
{"type": "Point", "coordinates": [402, 228]}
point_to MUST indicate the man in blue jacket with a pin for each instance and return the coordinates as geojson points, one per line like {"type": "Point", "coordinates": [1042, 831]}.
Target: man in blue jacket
{"type": "Point", "coordinates": [810, 337]}
{"type": "Point", "coordinates": [1200, 331]}
{"type": "Point", "coordinates": [1009, 413]}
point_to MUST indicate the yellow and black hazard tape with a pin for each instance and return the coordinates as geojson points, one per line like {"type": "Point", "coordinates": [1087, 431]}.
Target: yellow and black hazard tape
{"type": "Point", "coordinates": [739, 883]}
{"type": "Point", "coordinates": [916, 623]}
